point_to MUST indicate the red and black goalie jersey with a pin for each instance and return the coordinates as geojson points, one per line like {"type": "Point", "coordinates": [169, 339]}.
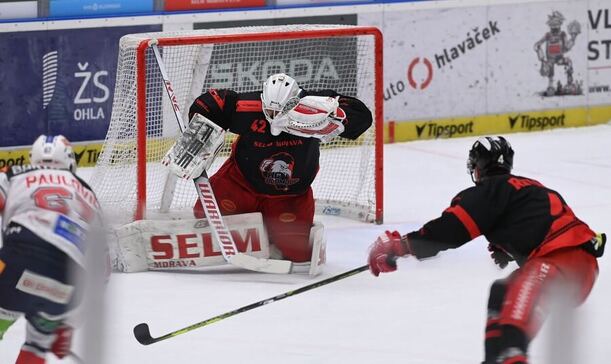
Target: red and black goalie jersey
{"type": "Point", "coordinates": [516, 214]}
{"type": "Point", "coordinates": [273, 165]}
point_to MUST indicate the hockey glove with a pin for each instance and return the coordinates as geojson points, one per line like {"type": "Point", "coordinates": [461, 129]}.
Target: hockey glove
{"type": "Point", "coordinates": [195, 149]}
{"type": "Point", "coordinates": [596, 246]}
{"type": "Point", "coordinates": [63, 341]}
{"type": "Point", "coordinates": [313, 117]}
{"type": "Point", "coordinates": [499, 256]}
{"type": "Point", "coordinates": [385, 251]}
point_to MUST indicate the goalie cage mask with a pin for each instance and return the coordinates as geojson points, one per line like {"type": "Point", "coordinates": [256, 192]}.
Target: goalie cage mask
{"type": "Point", "coordinates": [280, 94]}
{"type": "Point", "coordinates": [489, 156]}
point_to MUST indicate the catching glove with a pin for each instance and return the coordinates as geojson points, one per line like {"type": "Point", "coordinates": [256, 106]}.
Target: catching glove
{"type": "Point", "coordinates": [313, 117]}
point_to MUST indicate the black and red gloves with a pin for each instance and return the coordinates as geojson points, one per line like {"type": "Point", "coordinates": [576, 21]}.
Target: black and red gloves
{"type": "Point", "coordinates": [499, 256]}
{"type": "Point", "coordinates": [384, 252]}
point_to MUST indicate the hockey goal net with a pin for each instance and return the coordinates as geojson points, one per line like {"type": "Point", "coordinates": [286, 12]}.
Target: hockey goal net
{"type": "Point", "coordinates": [130, 181]}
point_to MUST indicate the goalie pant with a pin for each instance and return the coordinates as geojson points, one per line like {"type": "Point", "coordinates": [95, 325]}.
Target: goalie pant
{"type": "Point", "coordinates": [528, 222]}
{"type": "Point", "coordinates": [37, 280]}
{"type": "Point", "coordinates": [288, 219]}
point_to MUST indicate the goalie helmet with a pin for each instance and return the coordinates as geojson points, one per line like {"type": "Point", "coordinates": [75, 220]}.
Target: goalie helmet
{"type": "Point", "coordinates": [489, 156]}
{"type": "Point", "coordinates": [280, 94]}
{"type": "Point", "coordinates": [53, 151]}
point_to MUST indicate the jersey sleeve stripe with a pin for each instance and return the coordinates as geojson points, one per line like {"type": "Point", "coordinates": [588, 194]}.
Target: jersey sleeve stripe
{"type": "Point", "coordinates": [466, 219]}
{"type": "Point", "coordinates": [219, 101]}
{"type": "Point", "coordinates": [201, 104]}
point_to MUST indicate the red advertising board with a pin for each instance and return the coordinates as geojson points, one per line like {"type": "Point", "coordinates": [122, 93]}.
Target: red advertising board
{"type": "Point", "coordinates": [173, 5]}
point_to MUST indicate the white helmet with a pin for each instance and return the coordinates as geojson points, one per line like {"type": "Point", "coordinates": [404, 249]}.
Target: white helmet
{"type": "Point", "coordinates": [280, 94]}
{"type": "Point", "coordinates": [53, 151]}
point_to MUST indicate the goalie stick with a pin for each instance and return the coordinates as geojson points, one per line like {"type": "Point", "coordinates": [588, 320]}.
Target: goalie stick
{"type": "Point", "coordinates": [213, 214]}
{"type": "Point", "coordinates": [143, 333]}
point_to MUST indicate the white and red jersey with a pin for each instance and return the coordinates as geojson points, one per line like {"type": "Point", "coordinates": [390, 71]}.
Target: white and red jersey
{"type": "Point", "coordinates": [54, 204]}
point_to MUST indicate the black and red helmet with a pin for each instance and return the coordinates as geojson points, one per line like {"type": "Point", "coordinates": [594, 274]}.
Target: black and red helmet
{"type": "Point", "coordinates": [489, 156]}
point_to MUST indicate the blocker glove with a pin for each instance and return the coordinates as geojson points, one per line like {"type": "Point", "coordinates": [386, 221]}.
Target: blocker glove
{"type": "Point", "coordinates": [384, 252]}
{"type": "Point", "coordinates": [63, 341]}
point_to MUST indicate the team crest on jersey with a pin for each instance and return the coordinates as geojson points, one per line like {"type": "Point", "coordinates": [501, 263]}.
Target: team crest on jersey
{"type": "Point", "coordinates": [277, 171]}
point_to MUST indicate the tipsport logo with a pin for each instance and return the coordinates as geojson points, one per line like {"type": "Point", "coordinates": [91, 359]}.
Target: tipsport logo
{"type": "Point", "coordinates": [529, 122]}
{"type": "Point", "coordinates": [434, 130]}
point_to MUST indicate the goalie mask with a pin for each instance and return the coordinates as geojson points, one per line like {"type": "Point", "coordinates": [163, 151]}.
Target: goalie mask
{"type": "Point", "coordinates": [53, 151]}
{"type": "Point", "coordinates": [489, 156]}
{"type": "Point", "coordinates": [280, 94]}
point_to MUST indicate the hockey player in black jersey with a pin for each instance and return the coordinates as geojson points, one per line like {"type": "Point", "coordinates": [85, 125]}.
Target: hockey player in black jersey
{"type": "Point", "coordinates": [523, 221]}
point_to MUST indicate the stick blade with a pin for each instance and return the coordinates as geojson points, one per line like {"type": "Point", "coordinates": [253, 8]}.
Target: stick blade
{"type": "Point", "coordinates": [143, 334]}
{"type": "Point", "coordinates": [261, 265]}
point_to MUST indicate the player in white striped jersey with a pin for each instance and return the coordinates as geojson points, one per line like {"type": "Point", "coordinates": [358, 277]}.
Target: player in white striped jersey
{"type": "Point", "coordinates": [47, 212]}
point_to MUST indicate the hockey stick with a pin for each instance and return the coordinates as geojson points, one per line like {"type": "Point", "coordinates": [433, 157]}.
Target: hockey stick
{"type": "Point", "coordinates": [213, 214]}
{"type": "Point", "coordinates": [143, 334]}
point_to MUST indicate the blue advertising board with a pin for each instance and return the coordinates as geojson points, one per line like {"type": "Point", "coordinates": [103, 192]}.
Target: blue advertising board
{"type": "Point", "coordinates": [98, 7]}
{"type": "Point", "coordinates": [59, 82]}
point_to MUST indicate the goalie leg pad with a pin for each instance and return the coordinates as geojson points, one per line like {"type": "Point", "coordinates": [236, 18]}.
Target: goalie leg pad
{"type": "Point", "coordinates": [177, 244]}
{"type": "Point", "coordinates": [318, 242]}
{"type": "Point", "coordinates": [318, 239]}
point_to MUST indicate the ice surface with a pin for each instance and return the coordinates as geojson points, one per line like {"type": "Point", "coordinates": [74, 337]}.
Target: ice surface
{"type": "Point", "coordinates": [428, 312]}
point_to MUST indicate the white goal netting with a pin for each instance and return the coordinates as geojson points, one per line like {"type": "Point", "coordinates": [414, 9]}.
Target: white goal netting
{"type": "Point", "coordinates": [130, 181]}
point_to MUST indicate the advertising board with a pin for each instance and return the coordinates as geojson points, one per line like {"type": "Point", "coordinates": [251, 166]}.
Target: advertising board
{"type": "Point", "coordinates": [306, 68]}
{"type": "Point", "coordinates": [316, 2]}
{"type": "Point", "coordinates": [18, 9]}
{"type": "Point", "coordinates": [540, 62]}
{"type": "Point", "coordinates": [98, 7]}
{"type": "Point", "coordinates": [481, 62]}
{"type": "Point", "coordinates": [434, 61]}
{"type": "Point", "coordinates": [507, 67]}
{"type": "Point", "coordinates": [599, 52]}
{"type": "Point", "coordinates": [59, 82]}
{"type": "Point", "coordinates": [176, 5]}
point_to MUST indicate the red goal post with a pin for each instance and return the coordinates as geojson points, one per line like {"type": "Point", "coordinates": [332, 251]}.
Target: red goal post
{"type": "Point", "coordinates": [131, 183]}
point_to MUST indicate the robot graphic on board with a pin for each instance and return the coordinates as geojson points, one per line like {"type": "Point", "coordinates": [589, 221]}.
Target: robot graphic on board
{"type": "Point", "coordinates": [551, 50]}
